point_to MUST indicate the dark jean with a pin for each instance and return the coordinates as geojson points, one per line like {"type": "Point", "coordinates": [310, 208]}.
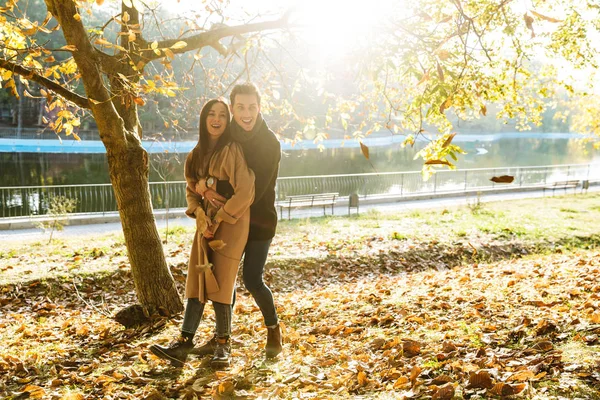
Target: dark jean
{"type": "Point", "coordinates": [193, 315]}
{"type": "Point", "coordinates": [255, 257]}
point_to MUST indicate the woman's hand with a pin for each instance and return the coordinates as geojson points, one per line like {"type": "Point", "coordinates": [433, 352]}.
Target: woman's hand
{"type": "Point", "coordinates": [210, 231]}
{"type": "Point", "coordinates": [202, 222]}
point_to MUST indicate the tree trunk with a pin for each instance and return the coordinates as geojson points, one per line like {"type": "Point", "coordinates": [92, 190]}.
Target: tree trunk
{"type": "Point", "coordinates": [154, 284]}
{"type": "Point", "coordinates": [20, 110]}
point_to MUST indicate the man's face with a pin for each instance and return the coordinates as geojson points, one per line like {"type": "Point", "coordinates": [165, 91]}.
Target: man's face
{"type": "Point", "coordinates": [245, 110]}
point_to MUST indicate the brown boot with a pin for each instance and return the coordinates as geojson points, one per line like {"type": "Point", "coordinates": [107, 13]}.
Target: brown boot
{"type": "Point", "coordinates": [273, 346]}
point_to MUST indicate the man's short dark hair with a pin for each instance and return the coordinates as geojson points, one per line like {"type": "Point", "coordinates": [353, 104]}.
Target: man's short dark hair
{"type": "Point", "coordinates": [244, 88]}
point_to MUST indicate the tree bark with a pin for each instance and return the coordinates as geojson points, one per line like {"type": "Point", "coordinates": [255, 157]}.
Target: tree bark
{"type": "Point", "coordinates": [155, 286]}
{"type": "Point", "coordinates": [120, 133]}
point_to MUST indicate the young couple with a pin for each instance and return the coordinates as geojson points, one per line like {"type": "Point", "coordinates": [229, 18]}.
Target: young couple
{"type": "Point", "coordinates": [231, 175]}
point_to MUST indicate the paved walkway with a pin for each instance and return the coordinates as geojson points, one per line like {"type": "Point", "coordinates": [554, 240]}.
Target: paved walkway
{"type": "Point", "coordinates": [90, 230]}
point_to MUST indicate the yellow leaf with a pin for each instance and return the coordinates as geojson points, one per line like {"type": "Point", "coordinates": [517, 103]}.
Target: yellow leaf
{"type": "Point", "coordinates": [72, 396]}
{"type": "Point", "coordinates": [549, 19]}
{"type": "Point", "coordinates": [595, 317]}
{"type": "Point", "coordinates": [365, 150]}
{"type": "Point", "coordinates": [171, 93]}
{"type": "Point", "coordinates": [179, 45]}
{"type": "Point", "coordinates": [77, 17]}
{"type": "Point", "coordinates": [69, 47]}
{"type": "Point", "coordinates": [34, 391]}
{"type": "Point", "coordinates": [362, 378]}
{"type": "Point", "coordinates": [68, 131]}
{"type": "Point", "coordinates": [47, 19]}
{"type": "Point", "coordinates": [225, 388]}
{"type": "Point", "coordinates": [131, 36]}
{"type": "Point", "coordinates": [126, 16]}
{"type": "Point", "coordinates": [169, 53]}
{"type": "Point", "coordinates": [43, 93]}
{"type": "Point", "coordinates": [154, 45]}
{"type": "Point", "coordinates": [83, 330]}
{"type": "Point", "coordinates": [99, 2]}
{"type": "Point", "coordinates": [216, 244]}
{"type": "Point", "coordinates": [139, 101]}
{"type": "Point", "coordinates": [103, 42]}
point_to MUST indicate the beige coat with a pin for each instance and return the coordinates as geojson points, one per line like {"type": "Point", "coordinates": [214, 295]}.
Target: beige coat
{"type": "Point", "coordinates": [212, 273]}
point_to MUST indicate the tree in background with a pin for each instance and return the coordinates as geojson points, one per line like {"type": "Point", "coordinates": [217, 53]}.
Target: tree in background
{"type": "Point", "coordinates": [110, 78]}
{"type": "Point", "coordinates": [423, 64]}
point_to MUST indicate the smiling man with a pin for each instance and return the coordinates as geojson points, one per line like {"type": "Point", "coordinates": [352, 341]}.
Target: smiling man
{"type": "Point", "coordinates": [263, 153]}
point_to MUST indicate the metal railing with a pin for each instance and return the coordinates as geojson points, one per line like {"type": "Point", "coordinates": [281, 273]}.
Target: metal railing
{"type": "Point", "coordinates": [34, 200]}
{"type": "Point", "coordinates": [92, 134]}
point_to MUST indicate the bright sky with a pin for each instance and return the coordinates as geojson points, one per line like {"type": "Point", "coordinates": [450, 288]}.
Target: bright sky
{"type": "Point", "coordinates": [331, 27]}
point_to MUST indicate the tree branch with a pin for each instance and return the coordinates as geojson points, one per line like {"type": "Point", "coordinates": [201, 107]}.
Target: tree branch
{"type": "Point", "coordinates": [52, 85]}
{"type": "Point", "coordinates": [212, 37]}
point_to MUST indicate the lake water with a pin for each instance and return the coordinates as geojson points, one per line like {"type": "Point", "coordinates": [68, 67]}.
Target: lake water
{"type": "Point", "coordinates": [28, 168]}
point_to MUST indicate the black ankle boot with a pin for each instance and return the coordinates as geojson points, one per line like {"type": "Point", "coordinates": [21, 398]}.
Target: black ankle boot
{"type": "Point", "coordinates": [273, 346]}
{"type": "Point", "coordinates": [222, 354]}
{"type": "Point", "coordinates": [176, 352]}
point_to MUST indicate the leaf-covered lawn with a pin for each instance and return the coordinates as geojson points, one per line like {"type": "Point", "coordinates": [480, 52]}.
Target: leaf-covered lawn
{"type": "Point", "coordinates": [497, 301]}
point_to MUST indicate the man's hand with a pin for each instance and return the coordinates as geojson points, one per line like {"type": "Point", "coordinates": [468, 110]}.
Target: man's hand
{"type": "Point", "coordinates": [214, 198]}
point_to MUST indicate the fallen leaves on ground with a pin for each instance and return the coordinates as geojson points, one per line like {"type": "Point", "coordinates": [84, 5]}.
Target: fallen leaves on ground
{"type": "Point", "coordinates": [360, 319]}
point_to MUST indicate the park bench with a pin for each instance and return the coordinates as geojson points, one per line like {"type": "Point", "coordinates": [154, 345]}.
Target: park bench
{"type": "Point", "coordinates": [308, 200]}
{"type": "Point", "coordinates": [569, 184]}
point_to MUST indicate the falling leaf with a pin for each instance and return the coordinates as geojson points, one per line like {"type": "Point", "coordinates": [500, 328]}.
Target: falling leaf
{"type": "Point", "coordinates": [217, 244]}
{"type": "Point", "coordinates": [503, 179]}
{"type": "Point", "coordinates": [529, 23]}
{"type": "Point", "coordinates": [424, 78]}
{"type": "Point", "coordinates": [440, 71]}
{"type": "Point", "coordinates": [483, 110]}
{"type": "Point", "coordinates": [449, 140]}
{"type": "Point", "coordinates": [77, 17]}
{"type": "Point", "coordinates": [365, 150]}
{"type": "Point", "coordinates": [437, 162]}
{"type": "Point", "coordinates": [99, 2]}
{"type": "Point", "coordinates": [540, 16]}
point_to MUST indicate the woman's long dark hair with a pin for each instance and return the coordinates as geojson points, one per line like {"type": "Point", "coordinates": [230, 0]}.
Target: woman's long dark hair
{"type": "Point", "coordinates": [199, 152]}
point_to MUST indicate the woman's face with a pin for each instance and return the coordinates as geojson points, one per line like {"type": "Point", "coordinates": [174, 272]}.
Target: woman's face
{"type": "Point", "coordinates": [216, 121]}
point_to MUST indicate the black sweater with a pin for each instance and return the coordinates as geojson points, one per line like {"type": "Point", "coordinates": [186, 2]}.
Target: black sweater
{"type": "Point", "coordinates": [263, 153]}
